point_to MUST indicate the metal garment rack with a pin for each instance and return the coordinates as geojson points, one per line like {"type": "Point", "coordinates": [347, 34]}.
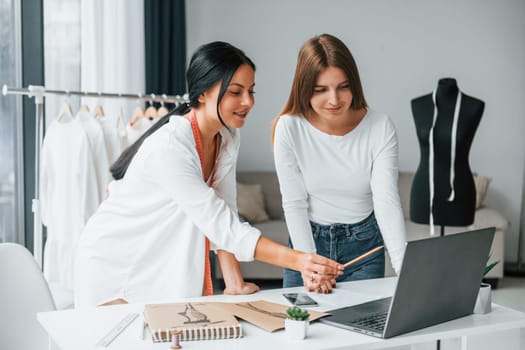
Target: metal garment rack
{"type": "Point", "coordinates": [39, 92]}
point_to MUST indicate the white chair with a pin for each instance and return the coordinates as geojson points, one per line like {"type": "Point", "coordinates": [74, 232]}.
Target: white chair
{"type": "Point", "coordinates": [23, 293]}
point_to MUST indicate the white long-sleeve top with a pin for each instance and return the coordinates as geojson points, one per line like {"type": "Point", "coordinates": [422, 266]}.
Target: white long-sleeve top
{"type": "Point", "coordinates": [97, 145]}
{"type": "Point", "coordinates": [340, 179]}
{"type": "Point", "coordinates": [68, 196]}
{"type": "Point", "coordinates": [146, 242]}
{"type": "Point", "coordinates": [111, 139]}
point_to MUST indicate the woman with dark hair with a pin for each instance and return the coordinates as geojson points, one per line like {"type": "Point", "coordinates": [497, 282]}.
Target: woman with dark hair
{"type": "Point", "coordinates": [336, 160]}
{"type": "Point", "coordinates": [175, 199]}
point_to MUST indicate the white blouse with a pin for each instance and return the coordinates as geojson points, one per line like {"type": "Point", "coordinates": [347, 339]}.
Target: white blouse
{"type": "Point", "coordinates": [68, 196]}
{"type": "Point", "coordinates": [146, 242]}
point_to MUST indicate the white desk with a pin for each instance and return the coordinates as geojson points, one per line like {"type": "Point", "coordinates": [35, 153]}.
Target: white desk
{"type": "Point", "coordinates": [83, 328]}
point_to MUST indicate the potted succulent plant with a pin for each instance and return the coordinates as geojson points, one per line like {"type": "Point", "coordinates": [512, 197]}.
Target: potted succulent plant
{"type": "Point", "coordinates": [296, 323]}
{"type": "Point", "coordinates": [484, 300]}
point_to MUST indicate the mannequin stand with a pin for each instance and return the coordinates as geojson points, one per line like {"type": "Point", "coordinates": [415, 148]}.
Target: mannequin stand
{"type": "Point", "coordinates": [441, 234]}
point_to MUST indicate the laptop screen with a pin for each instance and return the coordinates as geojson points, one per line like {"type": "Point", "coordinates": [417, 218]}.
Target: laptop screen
{"type": "Point", "coordinates": [439, 280]}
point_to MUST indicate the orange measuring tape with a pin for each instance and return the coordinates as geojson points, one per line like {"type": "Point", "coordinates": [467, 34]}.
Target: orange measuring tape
{"type": "Point", "coordinates": [208, 286]}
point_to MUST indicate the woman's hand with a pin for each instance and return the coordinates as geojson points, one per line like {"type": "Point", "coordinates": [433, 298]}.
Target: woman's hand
{"type": "Point", "coordinates": [115, 302]}
{"type": "Point", "coordinates": [244, 288]}
{"type": "Point", "coordinates": [319, 273]}
{"type": "Point", "coordinates": [315, 269]}
{"type": "Point", "coordinates": [231, 272]}
{"type": "Point", "coordinates": [326, 287]}
{"type": "Point", "coordinates": [322, 286]}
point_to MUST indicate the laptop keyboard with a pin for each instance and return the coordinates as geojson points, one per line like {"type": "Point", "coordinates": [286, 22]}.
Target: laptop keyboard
{"type": "Point", "coordinates": [376, 321]}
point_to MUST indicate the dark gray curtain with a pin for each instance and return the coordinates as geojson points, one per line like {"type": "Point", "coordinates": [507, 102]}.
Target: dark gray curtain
{"type": "Point", "coordinates": [165, 35]}
{"type": "Point", "coordinates": [32, 73]}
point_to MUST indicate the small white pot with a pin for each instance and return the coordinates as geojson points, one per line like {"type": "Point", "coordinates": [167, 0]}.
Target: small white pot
{"type": "Point", "coordinates": [296, 330]}
{"type": "Point", "coordinates": [484, 300]}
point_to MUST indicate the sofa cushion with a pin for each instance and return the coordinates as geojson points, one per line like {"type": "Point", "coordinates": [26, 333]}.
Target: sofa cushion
{"type": "Point", "coordinates": [482, 185]}
{"type": "Point", "coordinates": [275, 230]}
{"type": "Point", "coordinates": [250, 202]}
{"type": "Point", "coordinates": [405, 186]}
{"type": "Point", "coordinates": [271, 191]}
{"type": "Point", "coordinates": [487, 217]}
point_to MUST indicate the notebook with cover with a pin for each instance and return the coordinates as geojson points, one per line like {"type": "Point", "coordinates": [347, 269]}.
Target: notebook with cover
{"type": "Point", "coordinates": [438, 282]}
{"type": "Point", "coordinates": [196, 321]}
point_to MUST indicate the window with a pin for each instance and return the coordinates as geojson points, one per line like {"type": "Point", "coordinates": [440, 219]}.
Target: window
{"type": "Point", "coordinates": [11, 188]}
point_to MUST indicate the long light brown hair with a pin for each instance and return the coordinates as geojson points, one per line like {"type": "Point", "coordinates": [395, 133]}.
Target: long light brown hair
{"type": "Point", "coordinates": [317, 54]}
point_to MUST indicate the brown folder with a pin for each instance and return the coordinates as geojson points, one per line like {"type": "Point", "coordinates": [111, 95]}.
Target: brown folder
{"type": "Point", "coordinates": [264, 314]}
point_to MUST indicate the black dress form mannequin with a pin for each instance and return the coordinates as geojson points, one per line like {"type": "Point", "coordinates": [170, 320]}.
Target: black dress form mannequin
{"type": "Point", "coordinates": [447, 210]}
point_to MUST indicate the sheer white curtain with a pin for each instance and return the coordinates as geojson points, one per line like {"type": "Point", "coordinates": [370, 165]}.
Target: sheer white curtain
{"type": "Point", "coordinates": [61, 52]}
{"type": "Point", "coordinates": [94, 45]}
{"type": "Point", "coordinates": [112, 51]}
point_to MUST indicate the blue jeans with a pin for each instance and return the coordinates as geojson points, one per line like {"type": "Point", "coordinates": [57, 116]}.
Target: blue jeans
{"type": "Point", "coordinates": [342, 243]}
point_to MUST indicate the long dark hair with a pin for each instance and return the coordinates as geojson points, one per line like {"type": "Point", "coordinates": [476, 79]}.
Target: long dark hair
{"type": "Point", "coordinates": [211, 63]}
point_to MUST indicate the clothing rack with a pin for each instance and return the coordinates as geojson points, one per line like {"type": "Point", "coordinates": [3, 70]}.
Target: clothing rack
{"type": "Point", "coordinates": [39, 92]}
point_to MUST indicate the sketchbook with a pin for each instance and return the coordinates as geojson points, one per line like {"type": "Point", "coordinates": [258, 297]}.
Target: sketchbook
{"type": "Point", "coordinates": [196, 321]}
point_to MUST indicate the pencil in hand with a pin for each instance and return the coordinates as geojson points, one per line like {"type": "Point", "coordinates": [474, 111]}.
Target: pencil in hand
{"type": "Point", "coordinates": [361, 257]}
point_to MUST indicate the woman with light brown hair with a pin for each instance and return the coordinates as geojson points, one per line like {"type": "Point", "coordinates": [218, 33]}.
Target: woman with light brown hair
{"type": "Point", "coordinates": [337, 163]}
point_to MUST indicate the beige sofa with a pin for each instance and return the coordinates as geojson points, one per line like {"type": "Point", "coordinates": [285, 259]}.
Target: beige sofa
{"type": "Point", "coordinates": [264, 195]}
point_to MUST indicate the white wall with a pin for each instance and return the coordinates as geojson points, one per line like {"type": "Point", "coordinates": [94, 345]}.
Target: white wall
{"type": "Point", "coordinates": [402, 48]}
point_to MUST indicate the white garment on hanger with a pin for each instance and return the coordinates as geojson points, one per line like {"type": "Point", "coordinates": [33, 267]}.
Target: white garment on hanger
{"type": "Point", "coordinates": [98, 150]}
{"type": "Point", "coordinates": [138, 128]}
{"type": "Point", "coordinates": [122, 134]}
{"type": "Point", "coordinates": [68, 196]}
{"type": "Point", "coordinates": [111, 139]}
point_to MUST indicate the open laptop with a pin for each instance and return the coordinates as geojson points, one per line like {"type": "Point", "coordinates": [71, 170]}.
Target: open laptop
{"type": "Point", "coordinates": [439, 281]}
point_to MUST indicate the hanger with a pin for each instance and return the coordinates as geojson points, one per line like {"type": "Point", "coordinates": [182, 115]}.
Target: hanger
{"type": "Point", "coordinates": [120, 118]}
{"type": "Point", "coordinates": [151, 112]}
{"type": "Point", "coordinates": [98, 111]}
{"type": "Point", "coordinates": [163, 110]}
{"type": "Point", "coordinates": [84, 107]}
{"type": "Point", "coordinates": [138, 112]}
{"type": "Point", "coordinates": [121, 124]}
{"type": "Point", "coordinates": [65, 110]}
